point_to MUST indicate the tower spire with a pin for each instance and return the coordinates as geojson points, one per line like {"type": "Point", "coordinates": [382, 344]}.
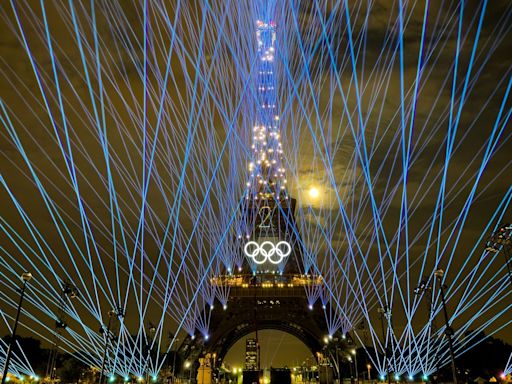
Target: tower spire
{"type": "Point", "coordinates": [267, 173]}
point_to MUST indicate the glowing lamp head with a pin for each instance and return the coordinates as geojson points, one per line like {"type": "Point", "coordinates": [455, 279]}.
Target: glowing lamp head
{"type": "Point", "coordinates": [424, 377]}
{"type": "Point", "coordinates": [410, 377]}
{"type": "Point", "coordinates": [206, 336]}
{"type": "Point", "coordinates": [382, 377]}
{"type": "Point", "coordinates": [154, 378]}
{"type": "Point", "coordinates": [126, 378]}
{"type": "Point", "coordinates": [211, 307]}
{"type": "Point", "coordinates": [187, 364]}
{"type": "Point", "coordinates": [7, 379]}
{"type": "Point", "coordinates": [111, 379]}
{"type": "Point", "coordinates": [140, 379]}
{"type": "Point", "coordinates": [397, 377]}
{"type": "Point", "coordinates": [326, 340]}
{"type": "Point", "coordinates": [310, 306]}
{"type": "Point", "coordinates": [225, 306]}
{"type": "Point", "coordinates": [26, 277]}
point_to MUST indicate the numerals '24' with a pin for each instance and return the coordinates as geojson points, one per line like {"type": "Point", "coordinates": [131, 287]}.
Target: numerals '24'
{"type": "Point", "coordinates": [265, 214]}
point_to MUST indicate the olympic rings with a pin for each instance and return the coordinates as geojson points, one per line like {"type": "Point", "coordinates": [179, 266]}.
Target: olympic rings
{"type": "Point", "coordinates": [267, 251]}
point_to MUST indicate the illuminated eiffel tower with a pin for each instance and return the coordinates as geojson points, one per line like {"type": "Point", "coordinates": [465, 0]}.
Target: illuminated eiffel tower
{"type": "Point", "coordinates": [268, 289]}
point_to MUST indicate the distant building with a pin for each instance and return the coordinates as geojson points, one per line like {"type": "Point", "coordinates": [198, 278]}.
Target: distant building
{"type": "Point", "coordinates": [251, 354]}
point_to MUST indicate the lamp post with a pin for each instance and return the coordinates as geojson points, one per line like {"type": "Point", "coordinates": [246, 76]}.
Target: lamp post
{"type": "Point", "coordinates": [152, 331]}
{"type": "Point", "coordinates": [439, 274]}
{"type": "Point", "coordinates": [424, 286]}
{"type": "Point", "coordinates": [384, 312]}
{"type": "Point", "coordinates": [26, 278]}
{"type": "Point", "coordinates": [174, 360]}
{"type": "Point", "coordinates": [188, 365]}
{"type": "Point", "coordinates": [501, 240]}
{"type": "Point", "coordinates": [354, 352]}
{"type": "Point", "coordinates": [369, 367]}
{"type": "Point", "coordinates": [338, 362]}
{"type": "Point", "coordinates": [107, 333]}
{"type": "Point", "coordinates": [68, 292]}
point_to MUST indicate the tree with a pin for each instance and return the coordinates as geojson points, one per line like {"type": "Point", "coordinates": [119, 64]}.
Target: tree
{"type": "Point", "coordinates": [485, 359]}
{"type": "Point", "coordinates": [71, 370]}
{"type": "Point", "coordinates": [31, 347]}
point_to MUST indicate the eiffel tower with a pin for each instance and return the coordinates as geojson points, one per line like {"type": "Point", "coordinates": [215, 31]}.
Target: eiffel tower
{"type": "Point", "coordinates": [268, 290]}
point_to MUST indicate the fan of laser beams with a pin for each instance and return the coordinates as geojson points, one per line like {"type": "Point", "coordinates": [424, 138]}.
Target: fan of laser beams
{"type": "Point", "coordinates": [135, 197]}
{"type": "Point", "coordinates": [20, 364]}
{"type": "Point", "coordinates": [508, 366]}
{"type": "Point", "coordinates": [377, 187]}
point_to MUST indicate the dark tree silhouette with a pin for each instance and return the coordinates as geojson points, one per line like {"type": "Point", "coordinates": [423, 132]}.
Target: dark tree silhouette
{"type": "Point", "coordinates": [31, 347]}
{"type": "Point", "coordinates": [71, 370]}
{"type": "Point", "coordinates": [485, 360]}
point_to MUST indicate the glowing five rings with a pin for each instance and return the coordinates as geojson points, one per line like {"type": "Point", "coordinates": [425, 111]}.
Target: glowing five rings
{"type": "Point", "coordinates": [267, 251]}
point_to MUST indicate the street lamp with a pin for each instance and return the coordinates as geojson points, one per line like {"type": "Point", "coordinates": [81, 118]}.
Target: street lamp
{"type": "Point", "coordinates": [188, 365]}
{"type": "Point", "coordinates": [385, 312]}
{"type": "Point", "coordinates": [338, 368]}
{"type": "Point", "coordinates": [424, 286]}
{"type": "Point", "coordinates": [501, 240]}
{"type": "Point", "coordinates": [26, 278]}
{"type": "Point", "coordinates": [108, 337]}
{"type": "Point", "coordinates": [369, 367]}
{"type": "Point", "coordinates": [174, 355]}
{"type": "Point", "coordinates": [353, 351]}
{"type": "Point", "coordinates": [152, 331]}
{"type": "Point", "coordinates": [349, 358]}
{"type": "Point", "coordinates": [439, 274]}
{"type": "Point", "coordinates": [68, 292]}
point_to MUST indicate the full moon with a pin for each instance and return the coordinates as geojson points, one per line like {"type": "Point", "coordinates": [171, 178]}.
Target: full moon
{"type": "Point", "coordinates": [314, 192]}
